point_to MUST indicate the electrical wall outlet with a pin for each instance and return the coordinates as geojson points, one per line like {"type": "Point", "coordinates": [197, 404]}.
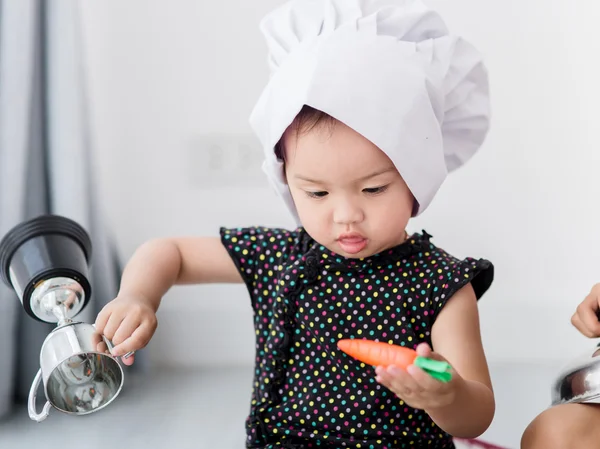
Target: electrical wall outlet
{"type": "Point", "coordinates": [226, 160]}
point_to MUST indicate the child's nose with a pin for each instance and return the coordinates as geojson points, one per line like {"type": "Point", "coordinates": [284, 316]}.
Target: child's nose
{"type": "Point", "coordinates": [347, 212]}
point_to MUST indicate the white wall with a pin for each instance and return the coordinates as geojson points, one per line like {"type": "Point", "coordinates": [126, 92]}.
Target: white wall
{"type": "Point", "coordinates": [163, 73]}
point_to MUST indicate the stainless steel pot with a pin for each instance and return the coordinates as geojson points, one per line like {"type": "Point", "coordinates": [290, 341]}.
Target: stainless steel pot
{"type": "Point", "coordinates": [579, 381]}
{"type": "Point", "coordinates": [78, 378]}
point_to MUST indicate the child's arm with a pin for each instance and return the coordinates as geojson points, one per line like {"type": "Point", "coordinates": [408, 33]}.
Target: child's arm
{"type": "Point", "coordinates": [464, 406]}
{"type": "Point", "coordinates": [456, 335]}
{"type": "Point", "coordinates": [159, 264]}
{"type": "Point", "coordinates": [130, 319]}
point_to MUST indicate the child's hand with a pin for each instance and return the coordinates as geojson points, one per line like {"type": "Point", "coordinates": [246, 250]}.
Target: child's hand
{"type": "Point", "coordinates": [417, 388]}
{"type": "Point", "coordinates": [585, 318]}
{"type": "Point", "coordinates": [129, 322]}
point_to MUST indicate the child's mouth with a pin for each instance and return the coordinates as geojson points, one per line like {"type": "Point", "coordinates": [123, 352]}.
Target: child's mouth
{"type": "Point", "coordinates": [352, 244]}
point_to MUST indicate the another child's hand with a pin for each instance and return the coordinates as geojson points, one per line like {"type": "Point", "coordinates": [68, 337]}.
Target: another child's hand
{"type": "Point", "coordinates": [129, 323]}
{"type": "Point", "coordinates": [417, 388]}
{"type": "Point", "coordinates": [585, 318]}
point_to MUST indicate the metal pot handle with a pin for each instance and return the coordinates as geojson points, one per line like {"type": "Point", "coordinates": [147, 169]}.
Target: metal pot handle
{"type": "Point", "coordinates": [31, 403]}
{"type": "Point", "coordinates": [110, 346]}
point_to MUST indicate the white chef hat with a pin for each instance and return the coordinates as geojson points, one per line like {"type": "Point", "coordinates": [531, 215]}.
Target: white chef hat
{"type": "Point", "coordinates": [389, 70]}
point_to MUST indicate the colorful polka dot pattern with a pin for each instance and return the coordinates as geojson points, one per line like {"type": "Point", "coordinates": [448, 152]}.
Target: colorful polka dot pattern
{"type": "Point", "coordinates": [306, 392]}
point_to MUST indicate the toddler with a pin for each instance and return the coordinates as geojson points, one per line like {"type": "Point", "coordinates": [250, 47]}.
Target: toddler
{"type": "Point", "coordinates": [370, 103]}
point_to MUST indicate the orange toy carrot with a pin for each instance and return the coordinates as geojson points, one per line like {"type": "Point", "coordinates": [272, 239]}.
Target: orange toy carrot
{"type": "Point", "coordinates": [378, 353]}
{"type": "Point", "coordinates": [384, 354]}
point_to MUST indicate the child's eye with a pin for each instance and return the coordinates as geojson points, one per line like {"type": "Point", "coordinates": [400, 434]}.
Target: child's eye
{"type": "Point", "coordinates": [317, 194]}
{"type": "Point", "coordinates": [375, 190]}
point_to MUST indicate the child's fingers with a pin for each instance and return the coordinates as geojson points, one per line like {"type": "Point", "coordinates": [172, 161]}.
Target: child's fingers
{"type": "Point", "coordinates": [384, 378]}
{"type": "Point", "coordinates": [587, 314]}
{"type": "Point", "coordinates": [576, 321]}
{"type": "Point", "coordinates": [138, 339]}
{"type": "Point", "coordinates": [97, 338]}
{"type": "Point", "coordinates": [126, 329]}
{"type": "Point", "coordinates": [400, 382]}
{"type": "Point", "coordinates": [101, 320]}
{"type": "Point", "coordinates": [381, 373]}
{"type": "Point", "coordinates": [423, 350]}
{"type": "Point", "coordinates": [101, 347]}
{"type": "Point", "coordinates": [129, 360]}
{"type": "Point", "coordinates": [99, 343]}
{"type": "Point", "coordinates": [114, 321]}
{"type": "Point", "coordinates": [424, 380]}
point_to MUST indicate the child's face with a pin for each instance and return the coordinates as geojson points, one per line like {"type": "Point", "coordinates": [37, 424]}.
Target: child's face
{"type": "Point", "coordinates": [349, 195]}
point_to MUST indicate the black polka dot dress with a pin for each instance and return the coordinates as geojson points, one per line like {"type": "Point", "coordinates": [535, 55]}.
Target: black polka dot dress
{"type": "Point", "coordinates": [307, 393]}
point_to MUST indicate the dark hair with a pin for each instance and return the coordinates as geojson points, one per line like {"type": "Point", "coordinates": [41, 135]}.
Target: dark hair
{"type": "Point", "coordinates": [307, 119]}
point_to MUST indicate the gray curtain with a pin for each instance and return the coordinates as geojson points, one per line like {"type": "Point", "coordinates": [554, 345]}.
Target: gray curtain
{"type": "Point", "coordinates": [46, 164]}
